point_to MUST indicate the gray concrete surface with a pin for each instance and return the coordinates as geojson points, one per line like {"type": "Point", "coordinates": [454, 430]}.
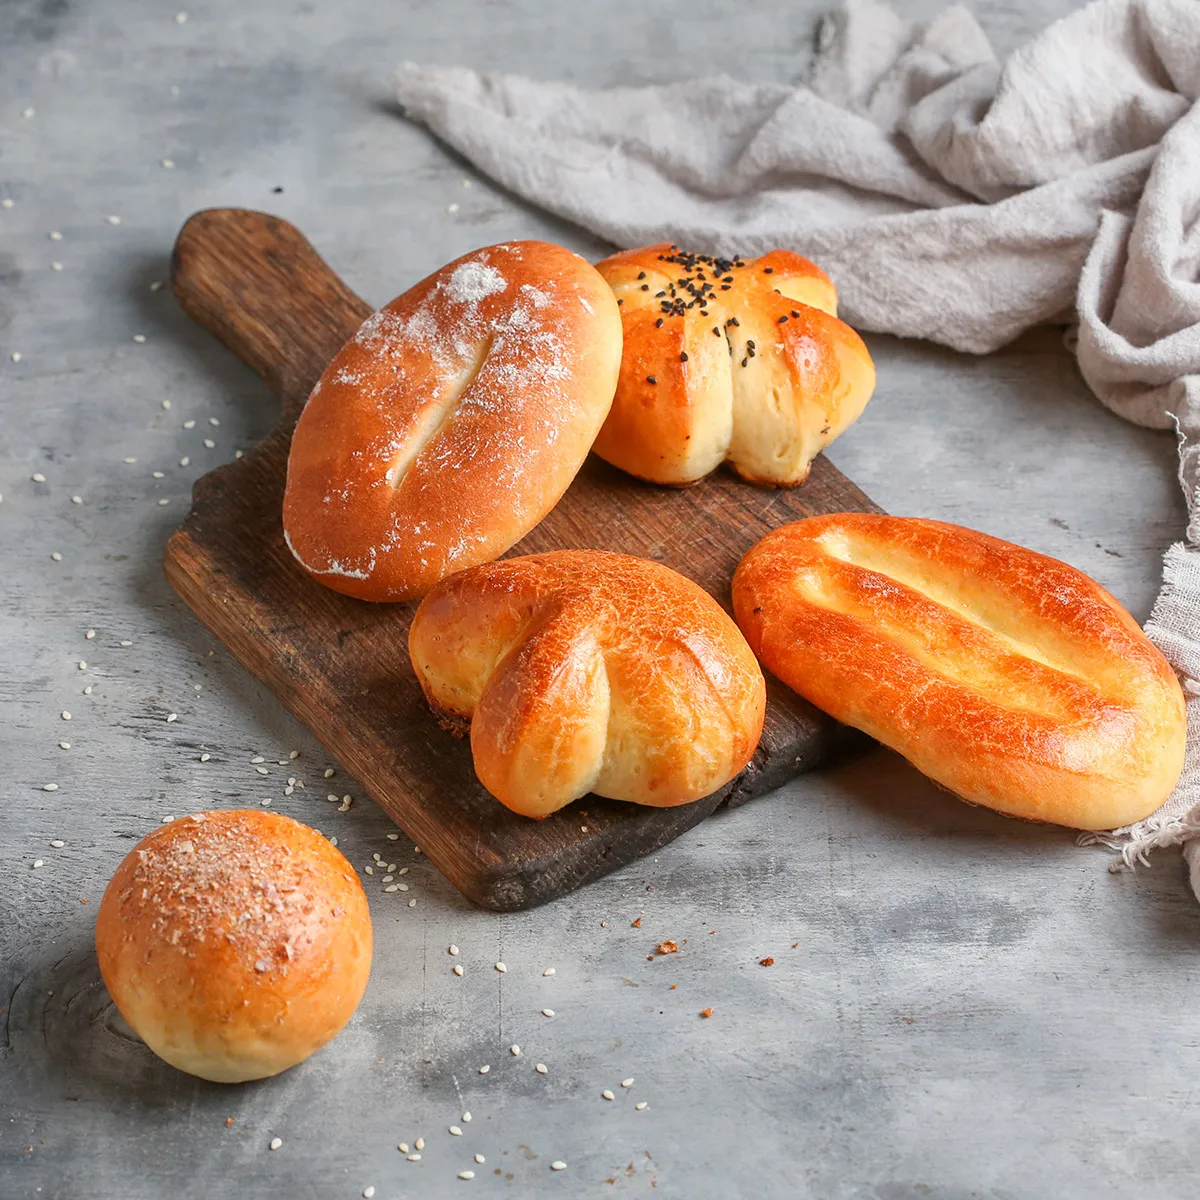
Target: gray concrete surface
{"type": "Point", "coordinates": [960, 1005]}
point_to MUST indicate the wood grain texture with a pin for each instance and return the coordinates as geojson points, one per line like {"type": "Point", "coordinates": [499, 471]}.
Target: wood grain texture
{"type": "Point", "coordinates": [341, 665]}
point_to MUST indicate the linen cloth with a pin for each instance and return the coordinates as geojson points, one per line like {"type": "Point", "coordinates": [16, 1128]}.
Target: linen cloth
{"type": "Point", "coordinates": [951, 198]}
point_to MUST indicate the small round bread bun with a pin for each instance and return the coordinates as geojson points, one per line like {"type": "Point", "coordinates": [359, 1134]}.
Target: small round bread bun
{"type": "Point", "coordinates": [453, 421]}
{"type": "Point", "coordinates": [235, 943]}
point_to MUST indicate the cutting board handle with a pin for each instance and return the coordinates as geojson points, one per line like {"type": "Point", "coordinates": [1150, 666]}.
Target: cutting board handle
{"type": "Point", "coordinates": [255, 281]}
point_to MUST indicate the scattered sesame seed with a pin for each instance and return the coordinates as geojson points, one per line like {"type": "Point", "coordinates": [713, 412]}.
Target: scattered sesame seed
{"type": "Point", "coordinates": [49, 787]}
{"type": "Point", "coordinates": [189, 424]}
{"type": "Point", "coordinates": [205, 757]}
{"type": "Point", "coordinates": [391, 888]}
{"type": "Point", "coordinates": [185, 461]}
{"type": "Point", "coordinates": [627, 1083]}
{"type": "Point", "coordinates": [91, 633]}
{"type": "Point", "coordinates": [15, 356]}
{"type": "Point", "coordinates": [276, 1143]}
{"type": "Point", "coordinates": [114, 220]}
{"type": "Point", "coordinates": [368, 1191]}
{"type": "Point", "coordinates": [139, 338]}
{"type": "Point", "coordinates": [209, 444]}
{"type": "Point", "coordinates": [333, 840]}
{"type": "Point", "coordinates": [419, 1143]}
{"type": "Point", "coordinates": [238, 453]}
{"type": "Point", "coordinates": [558, 1165]}
{"type": "Point", "coordinates": [6, 203]}
{"type": "Point", "coordinates": [292, 754]}
{"type": "Point", "coordinates": [466, 1118]}
{"type": "Point", "coordinates": [453, 949]}
{"type": "Point", "coordinates": [180, 18]}
{"type": "Point", "coordinates": [457, 970]}
{"type": "Point", "coordinates": [548, 971]}
{"type": "Point", "coordinates": [87, 691]}
{"type": "Point", "coordinates": [403, 1147]}
{"type": "Point", "coordinates": [163, 502]}
{"type": "Point", "coordinates": [172, 717]}
{"type": "Point", "coordinates": [38, 477]}
{"type": "Point", "coordinates": [541, 1068]}
{"type": "Point", "coordinates": [480, 1159]}
{"type": "Point", "coordinates": [515, 1051]}
{"type": "Point", "coordinates": [157, 475]}
{"type": "Point", "coordinates": [125, 643]}
{"type": "Point", "coordinates": [156, 285]}
{"type": "Point", "coordinates": [464, 1174]}
{"type": "Point", "coordinates": [484, 1069]}
{"type": "Point", "coordinates": [76, 499]}
{"type": "Point", "coordinates": [455, 1131]}
{"type": "Point", "coordinates": [168, 164]}
{"type": "Point", "coordinates": [329, 775]}
{"type": "Point", "coordinates": [640, 1106]}
{"type": "Point", "coordinates": [607, 1094]}
{"type": "Point", "coordinates": [37, 862]}
{"type": "Point", "coordinates": [58, 843]}
{"type": "Point", "coordinates": [56, 266]}
{"type": "Point", "coordinates": [412, 904]}
{"type": "Point", "coordinates": [56, 556]}
{"type": "Point", "coordinates": [64, 745]}
{"type": "Point", "coordinates": [261, 770]}
{"type": "Point", "coordinates": [414, 1158]}
{"type": "Point", "coordinates": [501, 968]}
{"type": "Point", "coordinates": [66, 716]}
{"type": "Point", "coordinates": [369, 870]}
{"type": "Point", "coordinates": [452, 208]}
{"type": "Point", "coordinates": [547, 1012]}
{"type": "Point", "coordinates": [258, 758]}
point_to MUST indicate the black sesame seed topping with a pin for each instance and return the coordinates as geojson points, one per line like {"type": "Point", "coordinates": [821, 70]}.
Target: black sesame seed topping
{"type": "Point", "coordinates": [645, 287]}
{"type": "Point", "coordinates": [795, 313]}
{"type": "Point", "coordinates": [768, 270]}
{"type": "Point", "coordinates": [642, 275]}
{"type": "Point", "coordinates": [659, 322]}
{"type": "Point", "coordinates": [745, 361]}
{"type": "Point", "coordinates": [683, 356]}
{"type": "Point", "coordinates": [651, 379]}
{"type": "Point", "coordinates": [716, 332]}
{"type": "Point", "coordinates": [781, 320]}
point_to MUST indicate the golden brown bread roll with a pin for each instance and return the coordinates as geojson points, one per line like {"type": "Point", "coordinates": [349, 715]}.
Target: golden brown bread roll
{"type": "Point", "coordinates": [731, 360]}
{"type": "Point", "coordinates": [452, 421]}
{"type": "Point", "coordinates": [582, 671]}
{"type": "Point", "coordinates": [1009, 677]}
{"type": "Point", "coordinates": [235, 943]}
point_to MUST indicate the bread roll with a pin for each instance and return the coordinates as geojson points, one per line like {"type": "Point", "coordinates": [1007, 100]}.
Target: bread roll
{"type": "Point", "coordinates": [235, 943]}
{"type": "Point", "coordinates": [582, 671]}
{"type": "Point", "coordinates": [452, 421]}
{"type": "Point", "coordinates": [729, 360]}
{"type": "Point", "coordinates": [1011, 678]}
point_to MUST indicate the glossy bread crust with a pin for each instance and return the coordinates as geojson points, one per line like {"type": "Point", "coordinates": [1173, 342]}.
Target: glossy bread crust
{"type": "Point", "coordinates": [729, 360]}
{"type": "Point", "coordinates": [1011, 678]}
{"type": "Point", "coordinates": [235, 943]}
{"type": "Point", "coordinates": [452, 421]}
{"type": "Point", "coordinates": [583, 671]}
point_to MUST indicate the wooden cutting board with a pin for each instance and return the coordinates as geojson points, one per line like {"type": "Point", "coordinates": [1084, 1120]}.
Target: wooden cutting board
{"type": "Point", "coordinates": [341, 665]}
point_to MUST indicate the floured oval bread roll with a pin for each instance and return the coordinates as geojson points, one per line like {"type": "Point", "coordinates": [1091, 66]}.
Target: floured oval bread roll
{"type": "Point", "coordinates": [729, 360]}
{"type": "Point", "coordinates": [452, 421]}
{"type": "Point", "coordinates": [1009, 677]}
{"type": "Point", "coordinates": [583, 671]}
{"type": "Point", "coordinates": [235, 942]}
